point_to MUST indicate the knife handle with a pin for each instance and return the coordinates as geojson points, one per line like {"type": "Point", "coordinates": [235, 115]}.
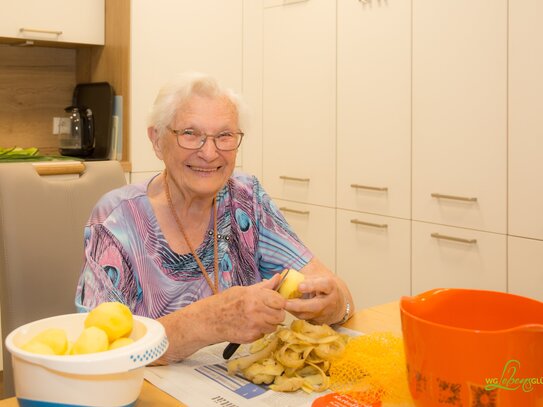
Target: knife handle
{"type": "Point", "coordinates": [229, 350]}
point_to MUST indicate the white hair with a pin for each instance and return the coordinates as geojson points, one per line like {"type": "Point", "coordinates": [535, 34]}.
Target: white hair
{"type": "Point", "coordinates": [180, 89]}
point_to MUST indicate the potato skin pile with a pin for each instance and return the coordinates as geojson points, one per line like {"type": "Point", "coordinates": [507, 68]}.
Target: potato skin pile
{"type": "Point", "coordinates": [292, 358]}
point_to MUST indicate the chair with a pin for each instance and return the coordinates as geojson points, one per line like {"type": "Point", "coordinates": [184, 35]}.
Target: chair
{"type": "Point", "coordinates": [41, 241]}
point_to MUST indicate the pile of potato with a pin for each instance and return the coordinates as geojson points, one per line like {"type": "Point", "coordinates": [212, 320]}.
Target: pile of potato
{"type": "Point", "coordinates": [106, 327]}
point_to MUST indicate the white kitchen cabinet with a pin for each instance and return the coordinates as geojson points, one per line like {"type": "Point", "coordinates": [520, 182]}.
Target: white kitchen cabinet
{"type": "Point", "coordinates": [174, 36]}
{"type": "Point", "coordinates": [315, 226]}
{"type": "Point", "coordinates": [374, 107]}
{"type": "Point", "coordinates": [445, 256]}
{"type": "Point", "coordinates": [299, 135]}
{"type": "Point", "coordinates": [63, 21]}
{"type": "Point", "coordinates": [525, 267]}
{"type": "Point", "coordinates": [525, 118]}
{"type": "Point", "coordinates": [459, 156]}
{"type": "Point", "coordinates": [373, 256]}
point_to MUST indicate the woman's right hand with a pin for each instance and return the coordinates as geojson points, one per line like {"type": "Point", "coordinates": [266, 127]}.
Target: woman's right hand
{"type": "Point", "coordinates": [244, 314]}
{"type": "Point", "coordinates": [237, 315]}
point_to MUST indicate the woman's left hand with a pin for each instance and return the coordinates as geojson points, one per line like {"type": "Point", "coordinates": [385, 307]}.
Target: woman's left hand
{"type": "Point", "coordinates": [325, 296]}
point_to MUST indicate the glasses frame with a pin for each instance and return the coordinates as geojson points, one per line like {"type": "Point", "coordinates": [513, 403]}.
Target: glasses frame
{"type": "Point", "coordinates": [179, 133]}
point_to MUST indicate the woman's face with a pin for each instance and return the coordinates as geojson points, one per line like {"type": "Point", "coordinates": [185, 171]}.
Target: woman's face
{"type": "Point", "coordinates": [200, 173]}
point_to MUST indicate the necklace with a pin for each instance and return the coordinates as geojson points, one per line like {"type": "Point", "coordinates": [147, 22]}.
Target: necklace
{"type": "Point", "coordinates": [214, 286]}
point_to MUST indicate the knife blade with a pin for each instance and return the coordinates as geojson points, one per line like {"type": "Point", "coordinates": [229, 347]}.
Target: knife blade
{"type": "Point", "coordinates": [232, 347]}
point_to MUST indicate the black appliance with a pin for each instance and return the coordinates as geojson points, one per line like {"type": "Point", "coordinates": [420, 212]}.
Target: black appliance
{"type": "Point", "coordinates": [92, 105]}
{"type": "Point", "coordinates": [79, 140]}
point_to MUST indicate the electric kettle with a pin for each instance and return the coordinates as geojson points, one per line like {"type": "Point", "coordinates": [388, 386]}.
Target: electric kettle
{"type": "Point", "coordinates": [78, 139]}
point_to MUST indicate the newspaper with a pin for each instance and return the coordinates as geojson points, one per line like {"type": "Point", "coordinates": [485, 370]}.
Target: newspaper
{"type": "Point", "coordinates": [202, 380]}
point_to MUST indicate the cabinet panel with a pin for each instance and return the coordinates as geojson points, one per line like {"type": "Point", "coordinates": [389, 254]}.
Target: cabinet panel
{"type": "Point", "coordinates": [525, 118]}
{"type": "Point", "coordinates": [479, 261]}
{"type": "Point", "coordinates": [374, 107]}
{"type": "Point", "coordinates": [173, 36]}
{"type": "Point", "coordinates": [525, 267]}
{"type": "Point", "coordinates": [374, 258]}
{"type": "Point", "coordinates": [459, 112]}
{"type": "Point", "coordinates": [66, 21]}
{"type": "Point", "coordinates": [299, 102]}
{"type": "Point", "coordinates": [315, 226]}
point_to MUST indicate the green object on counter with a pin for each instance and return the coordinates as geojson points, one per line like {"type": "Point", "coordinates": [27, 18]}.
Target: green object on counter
{"type": "Point", "coordinates": [16, 152]}
{"type": "Point", "coordinates": [30, 154]}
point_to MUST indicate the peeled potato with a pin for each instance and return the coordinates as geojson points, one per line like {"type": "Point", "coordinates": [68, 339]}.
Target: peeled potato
{"type": "Point", "coordinates": [38, 347]}
{"type": "Point", "coordinates": [289, 288]}
{"type": "Point", "coordinates": [119, 343]}
{"type": "Point", "coordinates": [55, 338]}
{"type": "Point", "coordinates": [112, 317]}
{"type": "Point", "coordinates": [69, 348]}
{"type": "Point", "coordinates": [91, 340]}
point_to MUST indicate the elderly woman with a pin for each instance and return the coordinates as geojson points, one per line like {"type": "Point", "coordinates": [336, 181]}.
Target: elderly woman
{"type": "Point", "coordinates": [198, 247]}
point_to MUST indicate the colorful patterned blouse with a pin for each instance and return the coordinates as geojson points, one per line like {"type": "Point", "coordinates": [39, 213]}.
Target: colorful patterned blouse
{"type": "Point", "coordinates": [127, 258]}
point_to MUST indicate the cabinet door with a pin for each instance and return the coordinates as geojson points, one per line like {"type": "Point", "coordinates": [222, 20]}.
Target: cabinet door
{"type": "Point", "coordinates": [373, 257]}
{"type": "Point", "coordinates": [173, 36]}
{"type": "Point", "coordinates": [299, 134]}
{"type": "Point", "coordinates": [459, 113]}
{"type": "Point", "coordinates": [525, 267]}
{"type": "Point", "coordinates": [67, 21]}
{"type": "Point", "coordinates": [456, 257]}
{"type": "Point", "coordinates": [315, 226]}
{"type": "Point", "coordinates": [374, 107]}
{"type": "Point", "coordinates": [525, 118]}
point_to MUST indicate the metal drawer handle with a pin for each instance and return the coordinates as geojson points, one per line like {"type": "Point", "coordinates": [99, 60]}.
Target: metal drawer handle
{"type": "Point", "coordinates": [373, 225]}
{"type": "Point", "coordinates": [35, 30]}
{"type": "Point", "coordinates": [358, 186]}
{"type": "Point", "coordinates": [454, 197]}
{"type": "Point", "coordinates": [284, 209]}
{"type": "Point", "coordinates": [286, 177]}
{"type": "Point", "coordinates": [454, 239]}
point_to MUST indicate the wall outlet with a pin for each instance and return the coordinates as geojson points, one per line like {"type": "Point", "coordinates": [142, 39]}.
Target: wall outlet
{"type": "Point", "coordinates": [62, 125]}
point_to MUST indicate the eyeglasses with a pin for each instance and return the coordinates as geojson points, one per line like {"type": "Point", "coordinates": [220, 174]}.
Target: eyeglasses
{"type": "Point", "coordinates": [192, 139]}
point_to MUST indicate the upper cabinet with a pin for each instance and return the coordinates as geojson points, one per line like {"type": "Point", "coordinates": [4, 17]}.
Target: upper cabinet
{"type": "Point", "coordinates": [169, 37]}
{"type": "Point", "coordinates": [53, 21]}
{"type": "Point", "coordinates": [374, 107]}
{"type": "Point", "coordinates": [299, 127]}
{"type": "Point", "coordinates": [525, 118]}
{"type": "Point", "coordinates": [459, 171]}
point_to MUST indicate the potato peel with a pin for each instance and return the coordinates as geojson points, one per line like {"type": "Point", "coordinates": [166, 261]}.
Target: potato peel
{"type": "Point", "coordinates": [292, 358]}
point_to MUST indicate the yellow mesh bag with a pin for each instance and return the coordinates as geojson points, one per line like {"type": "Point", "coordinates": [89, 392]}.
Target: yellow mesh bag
{"type": "Point", "coordinates": [372, 369]}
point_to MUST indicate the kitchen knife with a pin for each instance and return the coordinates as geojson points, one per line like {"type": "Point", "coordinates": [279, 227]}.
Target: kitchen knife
{"type": "Point", "coordinates": [232, 347]}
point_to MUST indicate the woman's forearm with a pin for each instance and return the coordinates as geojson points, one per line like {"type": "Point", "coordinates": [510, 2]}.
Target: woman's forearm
{"type": "Point", "coordinates": [188, 330]}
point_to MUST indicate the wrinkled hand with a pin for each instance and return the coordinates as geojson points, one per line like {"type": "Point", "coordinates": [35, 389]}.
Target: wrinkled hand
{"type": "Point", "coordinates": [247, 313]}
{"type": "Point", "coordinates": [322, 299]}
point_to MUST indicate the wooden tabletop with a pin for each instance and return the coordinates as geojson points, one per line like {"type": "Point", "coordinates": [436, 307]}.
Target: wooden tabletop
{"type": "Point", "coordinates": [384, 317]}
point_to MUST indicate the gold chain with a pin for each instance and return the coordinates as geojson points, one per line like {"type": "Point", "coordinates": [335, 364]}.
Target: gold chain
{"type": "Point", "coordinates": [213, 285]}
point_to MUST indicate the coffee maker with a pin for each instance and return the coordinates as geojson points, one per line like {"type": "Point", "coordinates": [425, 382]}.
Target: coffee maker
{"type": "Point", "coordinates": [91, 118]}
{"type": "Point", "coordinates": [78, 138]}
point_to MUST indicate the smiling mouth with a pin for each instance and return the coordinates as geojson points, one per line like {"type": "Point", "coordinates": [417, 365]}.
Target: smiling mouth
{"type": "Point", "coordinates": [203, 170]}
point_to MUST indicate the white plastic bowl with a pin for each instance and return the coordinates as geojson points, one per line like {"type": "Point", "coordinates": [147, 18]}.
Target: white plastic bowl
{"type": "Point", "coordinates": [105, 379]}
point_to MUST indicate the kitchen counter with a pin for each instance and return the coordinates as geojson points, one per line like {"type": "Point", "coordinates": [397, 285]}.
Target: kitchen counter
{"type": "Point", "coordinates": [384, 317]}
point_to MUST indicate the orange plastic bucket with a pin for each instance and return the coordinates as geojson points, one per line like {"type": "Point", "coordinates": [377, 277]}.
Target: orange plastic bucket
{"type": "Point", "coordinates": [473, 348]}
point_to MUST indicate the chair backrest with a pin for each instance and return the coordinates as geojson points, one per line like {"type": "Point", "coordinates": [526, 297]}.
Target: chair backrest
{"type": "Point", "coordinates": [41, 241]}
